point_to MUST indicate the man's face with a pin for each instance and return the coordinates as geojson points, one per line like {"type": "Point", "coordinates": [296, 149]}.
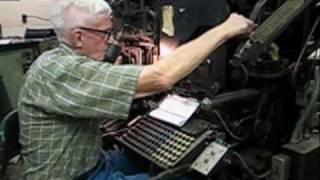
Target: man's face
{"type": "Point", "coordinates": [94, 38]}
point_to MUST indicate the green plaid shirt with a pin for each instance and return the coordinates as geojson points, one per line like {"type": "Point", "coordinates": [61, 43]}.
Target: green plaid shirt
{"type": "Point", "coordinates": [61, 103]}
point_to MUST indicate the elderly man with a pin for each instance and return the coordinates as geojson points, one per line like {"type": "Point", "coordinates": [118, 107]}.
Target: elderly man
{"type": "Point", "coordinates": [68, 90]}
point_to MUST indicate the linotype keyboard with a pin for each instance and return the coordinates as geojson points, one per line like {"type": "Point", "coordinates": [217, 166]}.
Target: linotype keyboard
{"type": "Point", "coordinates": [163, 144]}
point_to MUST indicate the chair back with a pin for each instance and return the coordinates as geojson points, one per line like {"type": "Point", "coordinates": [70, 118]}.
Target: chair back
{"type": "Point", "coordinates": [10, 142]}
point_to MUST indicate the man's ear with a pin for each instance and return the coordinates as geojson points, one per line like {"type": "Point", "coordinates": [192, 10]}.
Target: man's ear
{"type": "Point", "coordinates": [77, 38]}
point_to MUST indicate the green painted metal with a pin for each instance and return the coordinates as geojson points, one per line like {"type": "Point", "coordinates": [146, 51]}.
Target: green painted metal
{"type": "Point", "coordinates": [14, 61]}
{"type": "Point", "coordinates": [11, 71]}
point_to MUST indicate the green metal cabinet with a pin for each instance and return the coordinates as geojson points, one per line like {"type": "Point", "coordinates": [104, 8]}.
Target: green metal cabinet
{"type": "Point", "coordinates": [14, 61]}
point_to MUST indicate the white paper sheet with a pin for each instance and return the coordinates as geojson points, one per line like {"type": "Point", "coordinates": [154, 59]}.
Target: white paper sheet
{"type": "Point", "coordinates": [175, 109]}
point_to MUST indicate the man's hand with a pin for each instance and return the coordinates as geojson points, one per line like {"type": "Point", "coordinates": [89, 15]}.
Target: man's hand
{"type": "Point", "coordinates": [238, 25]}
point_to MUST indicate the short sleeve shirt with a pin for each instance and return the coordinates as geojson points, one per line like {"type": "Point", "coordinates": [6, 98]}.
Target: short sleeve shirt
{"type": "Point", "coordinates": [62, 101]}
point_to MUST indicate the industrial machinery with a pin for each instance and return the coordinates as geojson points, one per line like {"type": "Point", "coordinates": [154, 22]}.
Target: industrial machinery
{"type": "Point", "coordinates": [259, 96]}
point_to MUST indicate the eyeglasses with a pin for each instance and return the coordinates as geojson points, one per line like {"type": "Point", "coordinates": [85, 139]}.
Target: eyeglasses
{"type": "Point", "coordinates": [107, 34]}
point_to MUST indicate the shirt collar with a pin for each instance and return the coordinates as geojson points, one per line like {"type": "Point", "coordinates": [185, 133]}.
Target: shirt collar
{"type": "Point", "coordinates": [67, 48]}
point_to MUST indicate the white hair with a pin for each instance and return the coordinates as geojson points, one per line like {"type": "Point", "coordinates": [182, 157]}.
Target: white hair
{"type": "Point", "coordinates": [63, 18]}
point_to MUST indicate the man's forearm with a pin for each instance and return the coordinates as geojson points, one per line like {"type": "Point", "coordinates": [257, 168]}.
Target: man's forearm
{"type": "Point", "coordinates": [163, 74]}
{"type": "Point", "coordinates": [187, 57]}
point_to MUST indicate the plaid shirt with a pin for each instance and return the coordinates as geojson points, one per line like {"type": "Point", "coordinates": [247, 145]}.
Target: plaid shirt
{"type": "Point", "coordinates": [61, 103]}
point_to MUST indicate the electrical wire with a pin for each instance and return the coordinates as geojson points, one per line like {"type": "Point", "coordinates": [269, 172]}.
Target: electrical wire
{"type": "Point", "coordinates": [296, 68]}
{"type": "Point", "coordinates": [224, 124]}
{"type": "Point", "coordinates": [318, 57]}
{"type": "Point", "coordinates": [283, 72]}
{"type": "Point", "coordinates": [238, 64]}
{"type": "Point", "coordinates": [297, 132]}
{"type": "Point", "coordinates": [257, 10]}
{"type": "Point", "coordinates": [25, 16]}
{"type": "Point", "coordinates": [249, 170]}
{"type": "Point", "coordinates": [244, 119]}
{"type": "Point", "coordinates": [315, 58]}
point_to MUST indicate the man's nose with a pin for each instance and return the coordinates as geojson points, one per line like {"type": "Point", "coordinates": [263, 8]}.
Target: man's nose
{"type": "Point", "coordinates": [110, 40]}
